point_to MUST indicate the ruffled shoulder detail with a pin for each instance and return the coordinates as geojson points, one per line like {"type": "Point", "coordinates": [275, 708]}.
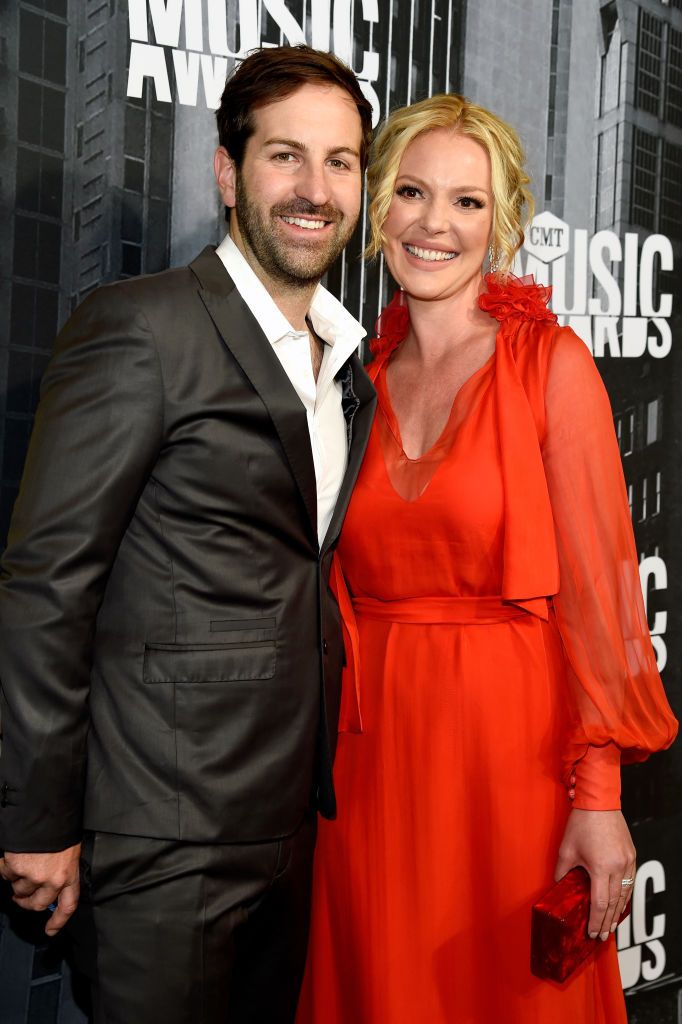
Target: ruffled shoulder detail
{"type": "Point", "coordinates": [391, 327]}
{"type": "Point", "coordinates": [518, 298]}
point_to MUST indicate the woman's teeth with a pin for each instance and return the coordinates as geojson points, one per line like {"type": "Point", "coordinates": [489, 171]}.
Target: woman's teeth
{"type": "Point", "coordinates": [312, 225]}
{"type": "Point", "coordinates": [429, 254]}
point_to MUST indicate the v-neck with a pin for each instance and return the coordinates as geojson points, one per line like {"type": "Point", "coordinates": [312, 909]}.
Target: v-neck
{"type": "Point", "coordinates": [384, 397]}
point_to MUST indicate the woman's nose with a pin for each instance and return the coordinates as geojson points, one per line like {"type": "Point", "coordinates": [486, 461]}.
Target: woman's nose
{"type": "Point", "coordinates": [435, 216]}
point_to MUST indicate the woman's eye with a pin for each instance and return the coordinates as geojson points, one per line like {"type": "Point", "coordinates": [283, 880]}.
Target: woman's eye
{"type": "Point", "coordinates": [470, 203]}
{"type": "Point", "coordinates": [339, 165]}
{"type": "Point", "coordinates": [409, 191]}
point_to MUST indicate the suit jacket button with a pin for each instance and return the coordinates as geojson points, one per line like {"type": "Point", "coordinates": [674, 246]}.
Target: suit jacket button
{"type": "Point", "coordinates": [325, 646]}
{"type": "Point", "coordinates": [4, 790]}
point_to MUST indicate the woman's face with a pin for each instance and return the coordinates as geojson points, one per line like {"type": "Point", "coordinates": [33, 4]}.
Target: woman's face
{"type": "Point", "coordinates": [440, 219]}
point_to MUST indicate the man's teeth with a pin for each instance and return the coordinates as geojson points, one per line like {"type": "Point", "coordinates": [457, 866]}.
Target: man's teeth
{"type": "Point", "coordinates": [312, 225]}
{"type": "Point", "coordinates": [429, 254]}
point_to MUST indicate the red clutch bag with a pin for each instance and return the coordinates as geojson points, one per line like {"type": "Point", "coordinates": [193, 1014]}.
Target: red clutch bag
{"type": "Point", "coordinates": [558, 939]}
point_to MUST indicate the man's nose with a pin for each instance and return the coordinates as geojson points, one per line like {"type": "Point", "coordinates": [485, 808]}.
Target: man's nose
{"type": "Point", "coordinates": [312, 184]}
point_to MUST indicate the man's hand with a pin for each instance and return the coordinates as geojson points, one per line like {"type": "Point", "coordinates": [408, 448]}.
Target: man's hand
{"type": "Point", "coordinates": [39, 879]}
{"type": "Point", "coordinates": [601, 843]}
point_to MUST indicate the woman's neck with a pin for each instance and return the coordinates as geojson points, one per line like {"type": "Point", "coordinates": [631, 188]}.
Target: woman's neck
{"type": "Point", "coordinates": [438, 326]}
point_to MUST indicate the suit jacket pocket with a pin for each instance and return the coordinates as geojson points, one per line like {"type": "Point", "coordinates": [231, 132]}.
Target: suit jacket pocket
{"type": "Point", "coordinates": [245, 630]}
{"type": "Point", "coordinates": [208, 663]}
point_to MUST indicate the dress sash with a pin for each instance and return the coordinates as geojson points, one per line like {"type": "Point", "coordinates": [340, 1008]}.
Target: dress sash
{"type": "Point", "coordinates": [486, 610]}
{"type": "Point", "coordinates": [438, 610]}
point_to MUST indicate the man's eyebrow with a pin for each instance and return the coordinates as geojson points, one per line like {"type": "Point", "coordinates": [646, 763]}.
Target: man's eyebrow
{"type": "Point", "coordinates": [291, 143]}
{"type": "Point", "coordinates": [302, 148]}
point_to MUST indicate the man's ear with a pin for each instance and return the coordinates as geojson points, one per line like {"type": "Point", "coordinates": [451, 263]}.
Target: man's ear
{"type": "Point", "coordinates": [226, 176]}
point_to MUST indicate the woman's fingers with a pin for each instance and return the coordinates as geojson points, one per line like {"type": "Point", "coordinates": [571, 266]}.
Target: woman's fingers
{"type": "Point", "coordinates": [608, 899]}
{"type": "Point", "coordinates": [626, 886]}
{"type": "Point", "coordinates": [600, 900]}
{"type": "Point", "coordinates": [615, 896]}
{"type": "Point", "coordinates": [563, 865]}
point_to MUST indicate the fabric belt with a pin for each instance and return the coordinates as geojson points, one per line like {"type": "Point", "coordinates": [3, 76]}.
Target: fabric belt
{"type": "Point", "coordinates": [438, 610]}
{"type": "Point", "coordinates": [425, 610]}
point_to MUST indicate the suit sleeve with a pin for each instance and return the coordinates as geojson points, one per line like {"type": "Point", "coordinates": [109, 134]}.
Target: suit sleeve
{"type": "Point", "coordinates": [619, 710]}
{"type": "Point", "coordinates": [97, 433]}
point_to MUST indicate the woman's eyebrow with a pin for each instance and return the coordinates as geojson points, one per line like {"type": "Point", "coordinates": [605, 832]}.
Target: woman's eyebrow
{"type": "Point", "coordinates": [456, 188]}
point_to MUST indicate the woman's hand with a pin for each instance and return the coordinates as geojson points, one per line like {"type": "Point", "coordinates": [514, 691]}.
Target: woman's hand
{"type": "Point", "coordinates": [600, 842]}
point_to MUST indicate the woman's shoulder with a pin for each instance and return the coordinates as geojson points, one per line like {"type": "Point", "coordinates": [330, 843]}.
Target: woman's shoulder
{"type": "Point", "coordinates": [390, 329]}
{"type": "Point", "coordinates": [521, 306]}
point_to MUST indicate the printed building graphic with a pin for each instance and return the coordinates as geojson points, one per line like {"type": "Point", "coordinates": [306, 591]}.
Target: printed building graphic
{"type": "Point", "coordinates": [99, 185]}
{"type": "Point", "coordinates": [638, 130]}
{"type": "Point", "coordinates": [88, 172]}
{"type": "Point", "coordinates": [618, 66]}
{"type": "Point", "coordinates": [33, 166]}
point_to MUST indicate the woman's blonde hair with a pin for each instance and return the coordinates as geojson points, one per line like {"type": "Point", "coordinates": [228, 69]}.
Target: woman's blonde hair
{"type": "Point", "coordinates": [513, 203]}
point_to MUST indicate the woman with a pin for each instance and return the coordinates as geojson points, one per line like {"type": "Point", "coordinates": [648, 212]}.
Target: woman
{"type": "Point", "coordinates": [499, 659]}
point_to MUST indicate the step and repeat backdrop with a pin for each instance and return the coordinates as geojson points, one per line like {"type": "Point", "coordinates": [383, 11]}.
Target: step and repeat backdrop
{"type": "Point", "coordinates": [106, 142]}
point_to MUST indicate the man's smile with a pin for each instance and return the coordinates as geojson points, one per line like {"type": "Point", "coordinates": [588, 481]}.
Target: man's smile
{"type": "Point", "coordinates": [303, 222]}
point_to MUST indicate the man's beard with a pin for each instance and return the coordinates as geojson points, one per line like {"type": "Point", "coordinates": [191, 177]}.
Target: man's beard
{"type": "Point", "coordinates": [295, 265]}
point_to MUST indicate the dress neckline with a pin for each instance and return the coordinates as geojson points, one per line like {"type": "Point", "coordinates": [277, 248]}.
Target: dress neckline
{"type": "Point", "coordinates": [445, 436]}
{"type": "Point", "coordinates": [521, 308]}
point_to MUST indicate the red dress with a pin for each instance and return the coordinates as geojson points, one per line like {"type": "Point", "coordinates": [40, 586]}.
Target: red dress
{"type": "Point", "coordinates": [496, 638]}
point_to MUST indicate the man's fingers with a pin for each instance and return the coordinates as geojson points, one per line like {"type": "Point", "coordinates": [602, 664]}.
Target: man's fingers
{"type": "Point", "coordinates": [66, 905]}
{"type": "Point", "coordinates": [7, 872]}
{"type": "Point", "coordinates": [24, 888]}
{"type": "Point", "coordinates": [39, 898]}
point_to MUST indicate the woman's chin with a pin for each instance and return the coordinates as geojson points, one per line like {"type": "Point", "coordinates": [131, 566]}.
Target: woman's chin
{"type": "Point", "coordinates": [432, 287]}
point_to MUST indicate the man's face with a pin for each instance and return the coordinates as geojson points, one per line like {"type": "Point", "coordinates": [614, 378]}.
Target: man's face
{"type": "Point", "coordinates": [296, 198]}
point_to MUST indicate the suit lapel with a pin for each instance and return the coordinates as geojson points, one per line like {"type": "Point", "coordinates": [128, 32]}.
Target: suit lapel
{"type": "Point", "coordinates": [244, 338]}
{"type": "Point", "coordinates": [359, 403]}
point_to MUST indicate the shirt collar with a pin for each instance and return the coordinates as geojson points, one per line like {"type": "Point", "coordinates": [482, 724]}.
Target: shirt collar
{"type": "Point", "coordinates": [331, 321]}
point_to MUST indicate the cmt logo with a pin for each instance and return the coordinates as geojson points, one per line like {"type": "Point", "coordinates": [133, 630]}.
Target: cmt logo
{"type": "Point", "coordinates": [641, 953]}
{"type": "Point", "coordinates": [548, 238]}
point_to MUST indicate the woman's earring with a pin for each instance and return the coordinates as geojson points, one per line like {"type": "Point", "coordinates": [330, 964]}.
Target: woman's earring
{"type": "Point", "coordinates": [493, 259]}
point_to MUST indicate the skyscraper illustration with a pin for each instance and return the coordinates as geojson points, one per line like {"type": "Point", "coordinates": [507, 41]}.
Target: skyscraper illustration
{"type": "Point", "coordinates": [98, 185]}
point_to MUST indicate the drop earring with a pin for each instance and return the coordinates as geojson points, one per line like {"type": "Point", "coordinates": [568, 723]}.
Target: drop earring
{"type": "Point", "coordinates": [493, 259]}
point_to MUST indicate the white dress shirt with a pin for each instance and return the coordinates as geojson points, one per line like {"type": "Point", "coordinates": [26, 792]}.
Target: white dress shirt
{"type": "Point", "coordinates": [341, 334]}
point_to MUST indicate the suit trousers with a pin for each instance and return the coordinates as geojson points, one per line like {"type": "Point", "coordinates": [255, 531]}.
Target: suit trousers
{"type": "Point", "coordinates": [169, 932]}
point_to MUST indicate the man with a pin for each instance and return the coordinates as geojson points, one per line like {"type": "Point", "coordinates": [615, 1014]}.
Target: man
{"type": "Point", "coordinates": [171, 651]}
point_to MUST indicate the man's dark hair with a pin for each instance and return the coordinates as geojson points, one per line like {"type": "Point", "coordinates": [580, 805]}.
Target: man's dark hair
{"type": "Point", "coordinates": [273, 73]}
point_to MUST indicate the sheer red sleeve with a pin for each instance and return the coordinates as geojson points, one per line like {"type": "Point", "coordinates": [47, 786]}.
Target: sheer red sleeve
{"type": "Point", "coordinates": [619, 710]}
